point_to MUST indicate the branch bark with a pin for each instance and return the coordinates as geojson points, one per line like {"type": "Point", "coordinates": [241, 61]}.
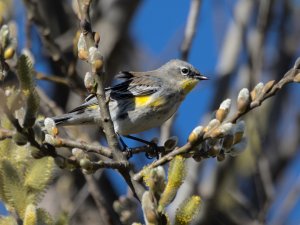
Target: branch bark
{"type": "Point", "coordinates": [107, 123]}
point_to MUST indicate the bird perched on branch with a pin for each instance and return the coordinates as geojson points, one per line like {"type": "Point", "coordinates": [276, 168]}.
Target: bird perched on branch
{"type": "Point", "coordinates": [142, 101]}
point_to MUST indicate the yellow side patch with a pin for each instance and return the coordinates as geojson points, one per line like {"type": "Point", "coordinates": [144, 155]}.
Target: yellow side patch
{"type": "Point", "coordinates": [92, 107]}
{"type": "Point", "coordinates": [141, 101]}
{"type": "Point", "coordinates": [188, 85]}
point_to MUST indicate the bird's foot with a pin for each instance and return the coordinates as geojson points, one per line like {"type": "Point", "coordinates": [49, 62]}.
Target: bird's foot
{"type": "Point", "coordinates": [125, 148]}
{"type": "Point", "coordinates": [153, 147]}
{"type": "Point", "coordinates": [153, 151]}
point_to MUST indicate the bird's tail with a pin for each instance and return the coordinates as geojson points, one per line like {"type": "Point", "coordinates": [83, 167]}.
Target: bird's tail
{"type": "Point", "coordinates": [63, 119]}
{"type": "Point", "coordinates": [72, 118]}
{"type": "Point", "coordinates": [76, 117]}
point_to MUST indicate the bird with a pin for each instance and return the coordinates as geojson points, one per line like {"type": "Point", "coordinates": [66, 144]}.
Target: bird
{"type": "Point", "coordinates": [141, 101]}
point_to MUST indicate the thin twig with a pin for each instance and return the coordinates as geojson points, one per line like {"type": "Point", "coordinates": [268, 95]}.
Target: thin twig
{"type": "Point", "coordinates": [52, 78]}
{"type": "Point", "coordinates": [34, 15]}
{"type": "Point", "coordinates": [81, 196]}
{"type": "Point", "coordinates": [257, 47]}
{"type": "Point", "coordinates": [95, 148]}
{"type": "Point", "coordinates": [66, 81]}
{"type": "Point", "coordinates": [99, 149]}
{"type": "Point", "coordinates": [99, 200]}
{"type": "Point", "coordinates": [190, 28]}
{"type": "Point", "coordinates": [267, 184]}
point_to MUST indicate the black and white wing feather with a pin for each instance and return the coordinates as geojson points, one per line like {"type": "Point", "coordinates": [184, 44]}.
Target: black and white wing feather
{"type": "Point", "coordinates": [132, 86]}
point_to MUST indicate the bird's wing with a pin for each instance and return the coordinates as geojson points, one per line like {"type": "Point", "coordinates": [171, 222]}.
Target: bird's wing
{"type": "Point", "coordinates": [133, 86]}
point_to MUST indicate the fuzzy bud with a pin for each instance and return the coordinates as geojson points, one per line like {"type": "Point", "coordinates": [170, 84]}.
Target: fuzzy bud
{"type": "Point", "coordinates": [176, 174]}
{"type": "Point", "coordinates": [223, 110]}
{"type": "Point", "coordinates": [86, 164]}
{"type": "Point", "coordinates": [268, 86]}
{"type": "Point", "coordinates": [50, 126]}
{"type": "Point", "coordinates": [30, 217]}
{"type": "Point", "coordinates": [227, 142]}
{"type": "Point", "coordinates": [257, 90]}
{"type": "Point", "coordinates": [89, 81]}
{"type": "Point", "coordinates": [156, 180]}
{"type": "Point", "coordinates": [20, 114]}
{"type": "Point", "coordinates": [33, 102]}
{"type": "Point", "coordinates": [188, 210]}
{"type": "Point", "coordinates": [82, 50]}
{"type": "Point", "coordinates": [96, 59]}
{"type": "Point", "coordinates": [83, 54]}
{"type": "Point", "coordinates": [149, 209]}
{"type": "Point", "coordinates": [239, 131]}
{"type": "Point", "coordinates": [4, 36]}
{"type": "Point", "coordinates": [81, 45]}
{"type": "Point", "coordinates": [239, 147]}
{"type": "Point", "coordinates": [78, 153]}
{"type": "Point", "coordinates": [196, 135]}
{"type": "Point", "coordinates": [221, 131]}
{"type": "Point", "coordinates": [214, 123]}
{"type": "Point", "coordinates": [9, 53]}
{"type": "Point", "coordinates": [50, 139]}
{"type": "Point", "coordinates": [28, 53]}
{"type": "Point", "coordinates": [97, 65]}
{"type": "Point", "coordinates": [243, 100]}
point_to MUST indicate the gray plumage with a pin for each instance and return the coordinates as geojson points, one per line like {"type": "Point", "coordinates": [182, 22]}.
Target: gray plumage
{"type": "Point", "coordinates": [165, 88]}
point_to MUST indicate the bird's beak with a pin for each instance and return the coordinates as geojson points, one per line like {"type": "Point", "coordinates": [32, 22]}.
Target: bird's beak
{"type": "Point", "coordinates": [200, 77]}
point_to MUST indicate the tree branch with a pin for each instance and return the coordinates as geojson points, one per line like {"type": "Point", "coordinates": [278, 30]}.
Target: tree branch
{"type": "Point", "coordinates": [270, 89]}
{"type": "Point", "coordinates": [107, 123]}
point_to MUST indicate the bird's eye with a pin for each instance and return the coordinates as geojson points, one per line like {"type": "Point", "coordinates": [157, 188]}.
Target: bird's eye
{"type": "Point", "coordinates": [185, 71]}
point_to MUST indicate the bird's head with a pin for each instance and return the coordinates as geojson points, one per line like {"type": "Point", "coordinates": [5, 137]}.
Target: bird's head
{"type": "Point", "coordinates": [186, 75]}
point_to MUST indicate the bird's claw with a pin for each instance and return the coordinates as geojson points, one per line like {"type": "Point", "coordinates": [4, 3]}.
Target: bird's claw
{"type": "Point", "coordinates": [128, 151]}
{"type": "Point", "coordinates": [153, 151]}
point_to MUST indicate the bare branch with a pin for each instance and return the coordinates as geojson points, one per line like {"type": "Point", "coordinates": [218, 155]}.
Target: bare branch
{"type": "Point", "coordinates": [270, 90]}
{"type": "Point", "coordinates": [190, 28]}
{"type": "Point", "coordinates": [107, 123]}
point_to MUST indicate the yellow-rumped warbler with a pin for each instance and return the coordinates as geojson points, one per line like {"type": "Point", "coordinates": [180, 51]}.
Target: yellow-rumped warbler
{"type": "Point", "coordinates": [142, 101]}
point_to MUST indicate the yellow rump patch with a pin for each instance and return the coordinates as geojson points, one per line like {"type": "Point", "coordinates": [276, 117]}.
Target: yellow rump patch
{"type": "Point", "coordinates": [188, 85]}
{"type": "Point", "coordinates": [141, 101]}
